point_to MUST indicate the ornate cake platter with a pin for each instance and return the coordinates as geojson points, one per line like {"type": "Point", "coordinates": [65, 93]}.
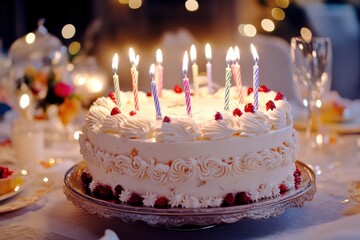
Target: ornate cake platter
{"type": "Point", "coordinates": [182, 217]}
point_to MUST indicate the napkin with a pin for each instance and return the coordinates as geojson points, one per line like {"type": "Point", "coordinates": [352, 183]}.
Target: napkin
{"type": "Point", "coordinates": [109, 235]}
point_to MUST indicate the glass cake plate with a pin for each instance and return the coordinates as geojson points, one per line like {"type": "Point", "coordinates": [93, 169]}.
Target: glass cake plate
{"type": "Point", "coordinates": [189, 217]}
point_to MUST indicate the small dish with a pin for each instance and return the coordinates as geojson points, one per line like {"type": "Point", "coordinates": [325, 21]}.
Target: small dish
{"type": "Point", "coordinates": [14, 184]}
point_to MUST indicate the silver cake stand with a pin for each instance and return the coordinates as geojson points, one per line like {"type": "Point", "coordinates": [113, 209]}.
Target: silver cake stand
{"type": "Point", "coordinates": [179, 218]}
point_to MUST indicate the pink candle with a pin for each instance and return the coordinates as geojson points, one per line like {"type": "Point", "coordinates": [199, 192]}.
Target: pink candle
{"type": "Point", "coordinates": [160, 72]}
{"type": "Point", "coordinates": [134, 76]}
{"type": "Point", "coordinates": [186, 84]}
{"type": "Point", "coordinates": [238, 72]}
{"type": "Point", "coordinates": [255, 76]}
{"type": "Point", "coordinates": [208, 55]}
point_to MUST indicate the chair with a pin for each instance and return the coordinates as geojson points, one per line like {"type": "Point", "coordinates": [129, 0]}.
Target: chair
{"type": "Point", "coordinates": [339, 22]}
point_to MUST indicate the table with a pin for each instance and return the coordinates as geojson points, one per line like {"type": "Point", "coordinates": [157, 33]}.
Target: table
{"type": "Point", "coordinates": [331, 214]}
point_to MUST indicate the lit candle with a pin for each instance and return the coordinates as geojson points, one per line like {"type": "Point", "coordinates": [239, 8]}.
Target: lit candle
{"type": "Point", "coordinates": [208, 56]}
{"type": "Point", "coordinates": [115, 64]}
{"type": "Point", "coordinates": [232, 65]}
{"type": "Point", "coordinates": [24, 104]}
{"type": "Point", "coordinates": [155, 91]}
{"type": "Point", "coordinates": [186, 84]}
{"type": "Point", "coordinates": [227, 80]}
{"type": "Point", "coordinates": [255, 75]}
{"type": "Point", "coordinates": [160, 71]}
{"type": "Point", "coordinates": [238, 72]}
{"type": "Point", "coordinates": [134, 76]}
{"type": "Point", "coordinates": [195, 69]}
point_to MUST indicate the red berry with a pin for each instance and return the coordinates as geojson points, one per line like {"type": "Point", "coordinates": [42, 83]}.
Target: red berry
{"type": "Point", "coordinates": [237, 112]}
{"type": "Point", "coordinates": [177, 89]}
{"type": "Point", "coordinates": [264, 88]}
{"type": "Point", "coordinates": [283, 188]}
{"type": "Point", "coordinates": [229, 199]}
{"type": "Point", "coordinates": [132, 113]}
{"type": "Point", "coordinates": [5, 172]}
{"type": "Point", "coordinates": [112, 96]}
{"type": "Point", "coordinates": [135, 200]}
{"type": "Point", "coordinates": [250, 90]}
{"type": "Point", "coordinates": [86, 178]}
{"type": "Point", "coordinates": [218, 116]}
{"type": "Point", "coordinates": [166, 119]}
{"type": "Point", "coordinates": [279, 96]}
{"type": "Point", "coordinates": [115, 111]}
{"type": "Point", "coordinates": [161, 202]}
{"type": "Point", "coordinates": [297, 172]}
{"type": "Point", "coordinates": [270, 105]}
{"type": "Point", "coordinates": [103, 192]}
{"type": "Point", "coordinates": [249, 108]}
{"type": "Point", "coordinates": [297, 180]}
{"type": "Point", "coordinates": [242, 198]}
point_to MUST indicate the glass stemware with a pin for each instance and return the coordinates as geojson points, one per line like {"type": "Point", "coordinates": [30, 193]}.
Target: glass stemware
{"type": "Point", "coordinates": [311, 66]}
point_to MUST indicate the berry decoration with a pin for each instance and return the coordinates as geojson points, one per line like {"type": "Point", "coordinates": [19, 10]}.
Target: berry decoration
{"type": "Point", "coordinates": [218, 116]}
{"type": "Point", "coordinates": [249, 108]}
{"type": "Point", "coordinates": [237, 112]}
{"type": "Point", "coordinates": [270, 105]}
{"type": "Point", "coordinates": [279, 96]}
{"type": "Point", "coordinates": [115, 111]}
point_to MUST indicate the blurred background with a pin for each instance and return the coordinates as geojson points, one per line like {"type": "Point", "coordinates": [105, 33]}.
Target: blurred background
{"type": "Point", "coordinates": [91, 31]}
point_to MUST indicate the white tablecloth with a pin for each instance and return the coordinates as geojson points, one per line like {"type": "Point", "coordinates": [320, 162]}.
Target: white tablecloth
{"type": "Point", "coordinates": [331, 215]}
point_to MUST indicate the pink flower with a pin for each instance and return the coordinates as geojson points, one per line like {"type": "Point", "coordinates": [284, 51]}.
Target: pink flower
{"type": "Point", "coordinates": [62, 90]}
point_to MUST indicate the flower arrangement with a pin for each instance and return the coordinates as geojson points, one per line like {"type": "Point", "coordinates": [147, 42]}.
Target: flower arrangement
{"type": "Point", "coordinates": [48, 87]}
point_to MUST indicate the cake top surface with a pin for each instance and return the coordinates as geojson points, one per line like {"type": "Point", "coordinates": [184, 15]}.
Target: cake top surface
{"type": "Point", "coordinates": [208, 121]}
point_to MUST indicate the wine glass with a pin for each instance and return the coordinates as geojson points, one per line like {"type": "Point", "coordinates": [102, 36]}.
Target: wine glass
{"type": "Point", "coordinates": [311, 67]}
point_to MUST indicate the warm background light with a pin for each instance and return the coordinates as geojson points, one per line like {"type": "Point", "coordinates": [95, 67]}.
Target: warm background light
{"type": "Point", "coordinates": [267, 25]}
{"type": "Point", "coordinates": [247, 30]}
{"type": "Point", "coordinates": [74, 48]}
{"type": "Point", "coordinates": [282, 3]}
{"type": "Point", "coordinates": [191, 5]}
{"type": "Point", "coordinates": [278, 14]}
{"type": "Point", "coordinates": [124, 1]}
{"type": "Point", "coordinates": [135, 4]}
{"type": "Point", "coordinates": [306, 33]}
{"type": "Point", "coordinates": [68, 31]}
{"type": "Point", "coordinates": [30, 38]}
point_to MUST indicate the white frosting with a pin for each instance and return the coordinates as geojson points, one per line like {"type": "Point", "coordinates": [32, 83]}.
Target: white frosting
{"type": "Point", "coordinates": [254, 123]}
{"type": "Point", "coordinates": [178, 130]}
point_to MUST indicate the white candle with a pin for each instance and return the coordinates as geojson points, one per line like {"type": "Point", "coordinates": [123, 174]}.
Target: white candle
{"type": "Point", "coordinates": [195, 69]}
{"type": "Point", "coordinates": [159, 72]}
{"type": "Point", "coordinates": [115, 64]}
{"type": "Point", "coordinates": [208, 55]}
{"type": "Point", "coordinates": [186, 84]}
{"type": "Point", "coordinates": [155, 91]}
{"type": "Point", "coordinates": [227, 80]}
{"type": "Point", "coordinates": [255, 75]}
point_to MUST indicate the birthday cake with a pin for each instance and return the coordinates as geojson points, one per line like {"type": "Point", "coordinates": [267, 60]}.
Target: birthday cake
{"type": "Point", "coordinates": [211, 158]}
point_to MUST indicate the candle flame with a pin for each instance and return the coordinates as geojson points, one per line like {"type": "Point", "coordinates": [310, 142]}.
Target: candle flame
{"type": "Point", "coordinates": [136, 60]}
{"type": "Point", "coordinates": [229, 55]}
{"type": "Point", "coordinates": [131, 55]}
{"type": "Point", "coordinates": [208, 53]}
{"type": "Point", "coordinates": [185, 62]}
{"type": "Point", "coordinates": [159, 56]}
{"type": "Point", "coordinates": [254, 53]}
{"type": "Point", "coordinates": [115, 62]}
{"type": "Point", "coordinates": [193, 53]}
{"type": "Point", "coordinates": [237, 53]}
{"type": "Point", "coordinates": [24, 101]}
{"type": "Point", "coordinates": [152, 70]}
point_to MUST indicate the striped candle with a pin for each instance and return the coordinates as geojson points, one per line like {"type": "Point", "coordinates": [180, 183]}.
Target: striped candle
{"type": "Point", "coordinates": [155, 91]}
{"type": "Point", "coordinates": [160, 71]}
{"type": "Point", "coordinates": [115, 64]}
{"type": "Point", "coordinates": [255, 76]}
{"type": "Point", "coordinates": [134, 76]}
{"type": "Point", "coordinates": [238, 72]}
{"type": "Point", "coordinates": [195, 69]}
{"type": "Point", "coordinates": [208, 55]}
{"type": "Point", "coordinates": [186, 84]}
{"type": "Point", "coordinates": [227, 80]}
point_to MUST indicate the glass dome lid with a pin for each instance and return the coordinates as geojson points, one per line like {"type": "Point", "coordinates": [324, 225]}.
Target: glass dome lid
{"type": "Point", "coordinates": [38, 48]}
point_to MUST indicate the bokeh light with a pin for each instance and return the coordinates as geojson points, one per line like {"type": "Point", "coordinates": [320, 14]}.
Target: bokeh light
{"type": "Point", "coordinates": [278, 14]}
{"type": "Point", "coordinates": [191, 5]}
{"type": "Point", "coordinates": [30, 38]}
{"type": "Point", "coordinates": [306, 33]}
{"type": "Point", "coordinates": [135, 4]}
{"type": "Point", "coordinates": [267, 25]}
{"type": "Point", "coordinates": [68, 31]}
{"type": "Point", "coordinates": [124, 1]}
{"type": "Point", "coordinates": [282, 3]}
{"type": "Point", "coordinates": [247, 30]}
{"type": "Point", "coordinates": [74, 48]}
